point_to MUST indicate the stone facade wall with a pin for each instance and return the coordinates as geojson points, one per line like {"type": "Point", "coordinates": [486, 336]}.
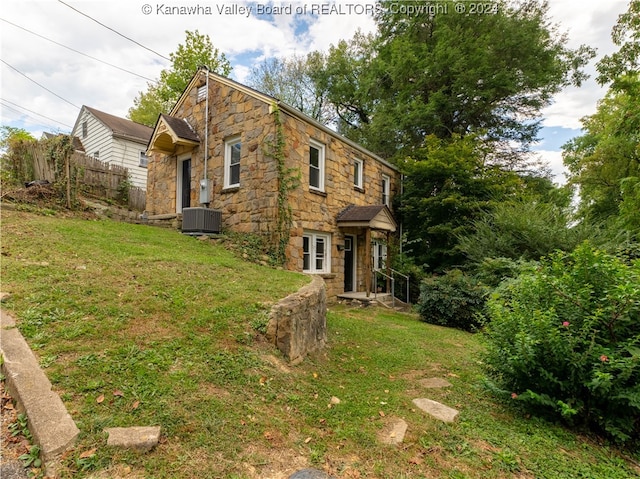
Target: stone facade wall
{"type": "Point", "coordinates": [252, 207]}
{"type": "Point", "coordinates": [297, 324]}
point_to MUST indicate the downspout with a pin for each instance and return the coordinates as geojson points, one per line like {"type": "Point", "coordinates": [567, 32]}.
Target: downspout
{"type": "Point", "coordinates": [204, 184]}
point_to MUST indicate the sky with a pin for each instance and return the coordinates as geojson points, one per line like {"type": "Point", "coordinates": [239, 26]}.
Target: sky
{"type": "Point", "coordinates": [58, 55]}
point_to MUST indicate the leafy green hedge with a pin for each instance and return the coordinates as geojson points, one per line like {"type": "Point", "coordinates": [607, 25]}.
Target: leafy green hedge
{"type": "Point", "coordinates": [453, 299]}
{"type": "Point", "coordinates": [565, 339]}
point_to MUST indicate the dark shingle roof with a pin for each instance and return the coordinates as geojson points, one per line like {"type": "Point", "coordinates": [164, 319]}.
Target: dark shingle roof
{"type": "Point", "coordinates": [360, 213]}
{"type": "Point", "coordinates": [180, 127]}
{"type": "Point", "coordinates": [122, 126]}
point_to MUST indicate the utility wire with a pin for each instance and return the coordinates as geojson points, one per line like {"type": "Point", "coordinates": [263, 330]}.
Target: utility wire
{"type": "Point", "coordinates": [31, 111]}
{"type": "Point", "coordinates": [28, 116]}
{"type": "Point", "coordinates": [41, 86]}
{"type": "Point", "coordinates": [76, 51]}
{"type": "Point", "coordinates": [114, 31]}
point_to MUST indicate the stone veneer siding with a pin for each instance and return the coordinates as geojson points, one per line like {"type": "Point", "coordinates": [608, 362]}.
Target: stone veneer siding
{"type": "Point", "coordinates": [252, 207]}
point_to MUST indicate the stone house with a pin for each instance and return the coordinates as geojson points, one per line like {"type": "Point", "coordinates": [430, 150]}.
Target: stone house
{"type": "Point", "coordinates": [218, 149]}
{"type": "Point", "coordinates": [116, 140]}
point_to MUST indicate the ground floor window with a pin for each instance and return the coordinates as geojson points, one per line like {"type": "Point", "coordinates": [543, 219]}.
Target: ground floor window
{"type": "Point", "coordinates": [379, 255]}
{"type": "Point", "coordinates": [316, 252]}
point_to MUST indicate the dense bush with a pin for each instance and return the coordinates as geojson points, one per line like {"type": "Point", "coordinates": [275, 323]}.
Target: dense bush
{"type": "Point", "coordinates": [453, 299]}
{"type": "Point", "coordinates": [565, 339]}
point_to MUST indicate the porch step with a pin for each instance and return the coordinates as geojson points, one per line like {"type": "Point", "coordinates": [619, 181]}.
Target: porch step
{"type": "Point", "coordinates": [382, 299]}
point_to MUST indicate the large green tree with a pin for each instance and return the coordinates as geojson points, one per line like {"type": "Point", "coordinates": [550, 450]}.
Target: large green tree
{"type": "Point", "coordinates": [160, 97]}
{"type": "Point", "coordinates": [607, 153]}
{"type": "Point", "coordinates": [452, 73]}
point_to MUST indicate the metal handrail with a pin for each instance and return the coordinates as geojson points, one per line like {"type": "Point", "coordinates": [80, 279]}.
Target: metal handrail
{"type": "Point", "coordinates": [393, 280]}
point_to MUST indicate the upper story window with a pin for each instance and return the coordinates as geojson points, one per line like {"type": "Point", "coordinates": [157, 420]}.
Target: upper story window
{"type": "Point", "coordinates": [316, 248]}
{"type": "Point", "coordinates": [84, 129]}
{"type": "Point", "coordinates": [232, 149]}
{"type": "Point", "coordinates": [358, 170]}
{"type": "Point", "coordinates": [386, 188]}
{"type": "Point", "coordinates": [316, 166]}
{"type": "Point", "coordinates": [144, 161]}
{"type": "Point", "coordinates": [96, 154]}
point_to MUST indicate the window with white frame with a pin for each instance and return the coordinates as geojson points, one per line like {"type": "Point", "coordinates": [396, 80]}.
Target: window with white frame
{"type": "Point", "coordinates": [358, 169]}
{"type": "Point", "coordinates": [144, 161]}
{"type": "Point", "coordinates": [316, 252]}
{"type": "Point", "coordinates": [84, 129]}
{"type": "Point", "coordinates": [316, 166]}
{"type": "Point", "coordinates": [379, 255]}
{"type": "Point", "coordinates": [232, 149]}
{"type": "Point", "coordinates": [386, 184]}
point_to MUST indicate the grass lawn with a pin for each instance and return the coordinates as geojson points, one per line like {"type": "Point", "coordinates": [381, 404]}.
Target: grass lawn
{"type": "Point", "coordinates": [137, 325]}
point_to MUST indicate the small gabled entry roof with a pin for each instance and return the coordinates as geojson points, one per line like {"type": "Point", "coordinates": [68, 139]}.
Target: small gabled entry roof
{"type": "Point", "coordinates": [170, 133]}
{"type": "Point", "coordinates": [376, 217]}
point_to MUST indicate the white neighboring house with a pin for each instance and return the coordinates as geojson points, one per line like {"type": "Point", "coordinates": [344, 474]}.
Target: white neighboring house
{"type": "Point", "coordinates": [114, 140]}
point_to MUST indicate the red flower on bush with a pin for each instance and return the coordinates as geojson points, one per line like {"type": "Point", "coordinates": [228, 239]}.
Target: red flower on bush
{"type": "Point", "coordinates": [566, 324]}
{"type": "Point", "coordinates": [514, 396]}
{"type": "Point", "coordinates": [604, 358]}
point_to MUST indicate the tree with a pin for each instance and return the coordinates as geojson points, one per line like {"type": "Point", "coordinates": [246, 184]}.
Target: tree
{"type": "Point", "coordinates": [160, 97]}
{"type": "Point", "coordinates": [448, 185]}
{"type": "Point", "coordinates": [452, 74]}
{"type": "Point", "coordinates": [626, 61]}
{"type": "Point", "coordinates": [608, 152]}
{"type": "Point", "coordinates": [290, 80]}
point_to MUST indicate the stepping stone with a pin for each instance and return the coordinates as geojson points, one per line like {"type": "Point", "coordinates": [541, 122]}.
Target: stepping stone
{"type": "Point", "coordinates": [437, 410]}
{"type": "Point", "coordinates": [394, 431]}
{"type": "Point", "coordinates": [140, 439]}
{"type": "Point", "coordinates": [434, 383]}
{"type": "Point", "coordinates": [310, 474]}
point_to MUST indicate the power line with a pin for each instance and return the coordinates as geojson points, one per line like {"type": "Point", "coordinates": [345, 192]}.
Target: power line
{"type": "Point", "coordinates": [114, 31]}
{"type": "Point", "coordinates": [31, 111]}
{"type": "Point", "coordinates": [28, 116]}
{"type": "Point", "coordinates": [41, 86]}
{"type": "Point", "coordinates": [76, 51]}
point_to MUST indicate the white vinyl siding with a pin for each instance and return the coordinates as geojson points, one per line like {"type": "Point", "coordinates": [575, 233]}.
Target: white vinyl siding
{"type": "Point", "coordinates": [118, 151]}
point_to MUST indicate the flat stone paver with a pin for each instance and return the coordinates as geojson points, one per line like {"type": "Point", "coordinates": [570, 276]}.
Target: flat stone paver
{"type": "Point", "coordinates": [50, 424]}
{"type": "Point", "coordinates": [436, 409]}
{"type": "Point", "coordinates": [138, 438]}
{"type": "Point", "coordinates": [434, 383]}
{"type": "Point", "coordinates": [310, 474]}
{"type": "Point", "coordinates": [394, 431]}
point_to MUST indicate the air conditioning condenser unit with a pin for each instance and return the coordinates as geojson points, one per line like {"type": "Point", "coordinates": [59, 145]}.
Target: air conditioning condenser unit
{"type": "Point", "coordinates": [201, 221]}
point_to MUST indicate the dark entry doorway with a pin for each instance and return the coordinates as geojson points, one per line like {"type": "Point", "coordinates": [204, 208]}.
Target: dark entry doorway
{"type": "Point", "coordinates": [349, 263]}
{"type": "Point", "coordinates": [186, 183]}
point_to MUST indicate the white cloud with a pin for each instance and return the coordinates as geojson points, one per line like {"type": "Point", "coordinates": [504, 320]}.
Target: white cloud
{"type": "Point", "coordinates": [244, 39]}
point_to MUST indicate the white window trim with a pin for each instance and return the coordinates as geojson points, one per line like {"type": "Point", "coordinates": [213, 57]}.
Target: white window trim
{"type": "Point", "coordinates": [229, 142]}
{"type": "Point", "coordinates": [179, 161]}
{"type": "Point", "coordinates": [143, 160]}
{"type": "Point", "coordinates": [321, 150]}
{"type": "Point", "coordinates": [359, 165]}
{"type": "Point", "coordinates": [379, 246]}
{"type": "Point", "coordinates": [313, 236]}
{"type": "Point", "coordinates": [386, 189]}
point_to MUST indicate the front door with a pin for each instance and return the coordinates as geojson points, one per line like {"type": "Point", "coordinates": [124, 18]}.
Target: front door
{"type": "Point", "coordinates": [186, 184]}
{"type": "Point", "coordinates": [349, 263]}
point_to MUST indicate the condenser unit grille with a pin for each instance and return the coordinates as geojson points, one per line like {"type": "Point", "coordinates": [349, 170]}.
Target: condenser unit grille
{"type": "Point", "coordinates": [201, 220]}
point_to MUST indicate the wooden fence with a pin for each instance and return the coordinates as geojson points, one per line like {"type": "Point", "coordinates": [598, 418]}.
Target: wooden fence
{"type": "Point", "coordinates": [88, 175]}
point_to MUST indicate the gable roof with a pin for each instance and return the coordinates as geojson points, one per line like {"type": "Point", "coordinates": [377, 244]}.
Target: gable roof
{"type": "Point", "coordinates": [170, 133]}
{"type": "Point", "coordinates": [120, 127]}
{"type": "Point", "coordinates": [377, 217]}
{"type": "Point", "coordinates": [280, 104]}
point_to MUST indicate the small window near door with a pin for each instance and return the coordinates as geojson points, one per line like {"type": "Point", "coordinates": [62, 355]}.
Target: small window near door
{"type": "Point", "coordinates": [379, 254]}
